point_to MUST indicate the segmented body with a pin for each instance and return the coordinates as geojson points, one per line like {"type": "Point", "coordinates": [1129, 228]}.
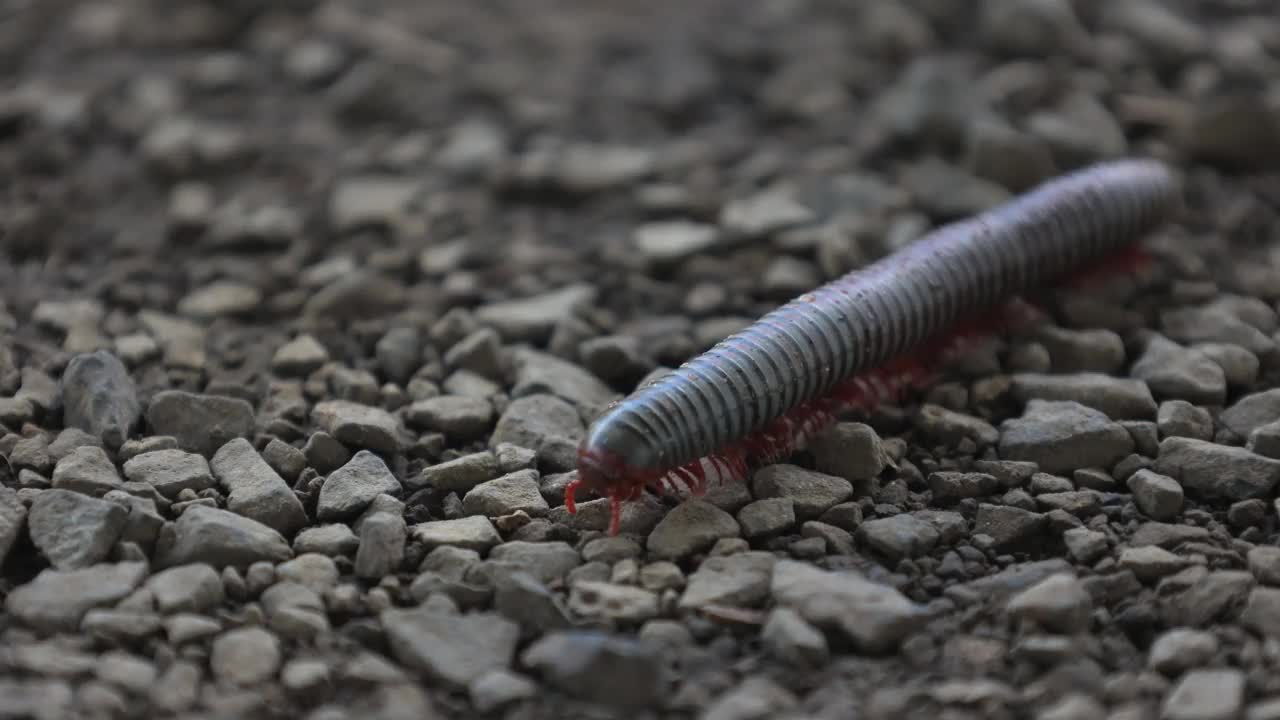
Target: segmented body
{"type": "Point", "coordinates": [864, 338]}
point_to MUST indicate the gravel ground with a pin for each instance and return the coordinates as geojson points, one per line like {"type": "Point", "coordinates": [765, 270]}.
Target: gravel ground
{"type": "Point", "coordinates": [304, 310]}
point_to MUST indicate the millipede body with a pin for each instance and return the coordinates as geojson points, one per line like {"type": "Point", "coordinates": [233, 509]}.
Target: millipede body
{"type": "Point", "coordinates": [758, 395]}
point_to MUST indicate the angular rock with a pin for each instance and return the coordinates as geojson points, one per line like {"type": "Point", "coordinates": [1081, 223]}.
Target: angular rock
{"type": "Point", "coordinates": [531, 319]}
{"type": "Point", "coordinates": [1207, 694]}
{"type": "Point", "coordinates": [472, 533]}
{"type": "Point", "coordinates": [170, 471]}
{"type": "Point", "coordinates": [219, 538]}
{"type": "Point", "coordinates": [255, 490]}
{"type": "Point", "coordinates": [245, 656]}
{"type": "Point", "coordinates": [514, 492]}
{"type": "Point", "coordinates": [72, 530]}
{"type": "Point", "coordinates": [613, 670]}
{"type": "Point", "coordinates": [740, 580]}
{"type": "Point", "coordinates": [1063, 436]}
{"type": "Point", "coordinates": [1159, 497]}
{"type": "Point", "coordinates": [449, 648]}
{"type": "Point", "coordinates": [1058, 603]}
{"type": "Point", "coordinates": [1009, 526]}
{"type": "Point", "coordinates": [545, 424]}
{"type": "Point", "coordinates": [691, 527]}
{"type": "Point", "coordinates": [57, 600]}
{"type": "Point", "coordinates": [549, 562]}
{"type": "Point", "coordinates": [876, 618]}
{"type": "Point", "coordinates": [13, 516]}
{"type": "Point", "coordinates": [194, 588]}
{"type": "Point", "coordinates": [1215, 471]}
{"type": "Point", "coordinates": [1117, 398]}
{"type": "Point", "coordinates": [357, 425]}
{"type": "Point", "coordinates": [86, 470]}
{"type": "Point", "coordinates": [1172, 371]}
{"type": "Point", "coordinates": [349, 489]}
{"type": "Point", "coordinates": [1251, 412]}
{"type": "Point", "coordinates": [201, 423]}
{"type": "Point", "coordinates": [812, 493]}
{"type": "Point", "coordinates": [100, 398]}
{"type": "Point", "coordinates": [899, 536]}
{"type": "Point", "coordinates": [382, 543]}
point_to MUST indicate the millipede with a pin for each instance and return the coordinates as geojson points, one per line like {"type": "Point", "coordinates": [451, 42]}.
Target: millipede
{"type": "Point", "coordinates": [867, 337]}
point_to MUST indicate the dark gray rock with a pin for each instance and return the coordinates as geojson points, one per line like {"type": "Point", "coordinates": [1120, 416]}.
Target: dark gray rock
{"type": "Point", "coordinates": [57, 600]}
{"type": "Point", "coordinates": [201, 423]}
{"type": "Point", "coordinates": [1217, 471]}
{"type": "Point", "coordinates": [1063, 436]}
{"type": "Point", "coordinates": [357, 425]}
{"type": "Point", "coordinates": [73, 530]}
{"type": "Point", "coordinates": [219, 538]}
{"type": "Point", "coordinates": [349, 489]}
{"type": "Point", "coordinates": [598, 667]}
{"type": "Point", "coordinates": [170, 471]}
{"type": "Point", "coordinates": [255, 490]}
{"type": "Point", "coordinates": [100, 398]}
{"type": "Point", "coordinates": [875, 618]}
{"type": "Point", "coordinates": [449, 648]}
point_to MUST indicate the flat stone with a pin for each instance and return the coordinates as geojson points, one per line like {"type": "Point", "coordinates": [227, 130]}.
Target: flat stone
{"type": "Point", "coordinates": [1172, 371]}
{"type": "Point", "coordinates": [1207, 694]}
{"type": "Point", "coordinates": [1117, 398]}
{"type": "Point", "coordinates": [876, 618]}
{"type": "Point", "coordinates": [546, 424]}
{"type": "Point", "coordinates": [539, 373]}
{"type": "Point", "coordinates": [1063, 436]}
{"type": "Point", "coordinates": [812, 493]}
{"type": "Point", "coordinates": [1180, 649]}
{"type": "Point", "coordinates": [1251, 412]}
{"type": "Point", "coordinates": [1215, 471]}
{"type": "Point", "coordinates": [531, 319]}
{"type": "Point", "coordinates": [458, 417]}
{"type": "Point", "coordinates": [349, 489]}
{"type": "Point", "coordinates": [472, 533]}
{"type": "Point", "coordinates": [357, 425]}
{"type": "Point", "coordinates": [86, 470]}
{"type": "Point", "coordinates": [514, 492]}
{"type": "Point", "coordinates": [57, 600]}
{"type": "Point", "coordinates": [457, 475]}
{"type": "Point", "coordinates": [549, 562]}
{"type": "Point", "coordinates": [382, 545]}
{"type": "Point", "coordinates": [1058, 603]}
{"type": "Point", "coordinates": [692, 526]}
{"type": "Point", "coordinates": [170, 471]}
{"type": "Point", "coordinates": [613, 670]}
{"type": "Point", "coordinates": [332, 539]}
{"type": "Point", "coordinates": [767, 517]}
{"type": "Point", "coordinates": [899, 536]}
{"type": "Point", "coordinates": [740, 580]}
{"type": "Point", "coordinates": [255, 490]}
{"type": "Point", "coordinates": [449, 648]}
{"type": "Point", "coordinates": [194, 588]}
{"type": "Point", "coordinates": [1009, 526]}
{"type": "Point", "coordinates": [72, 530]}
{"type": "Point", "coordinates": [1149, 563]}
{"type": "Point", "coordinates": [200, 423]}
{"type": "Point", "coordinates": [219, 538]}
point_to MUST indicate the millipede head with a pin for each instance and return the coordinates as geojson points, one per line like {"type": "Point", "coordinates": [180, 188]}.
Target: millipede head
{"type": "Point", "coordinates": [608, 476]}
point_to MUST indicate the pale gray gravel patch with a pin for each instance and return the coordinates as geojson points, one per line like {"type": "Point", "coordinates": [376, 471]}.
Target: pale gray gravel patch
{"type": "Point", "coordinates": [349, 489]}
{"type": "Point", "coordinates": [875, 617]}
{"type": "Point", "coordinates": [1118, 398]}
{"type": "Point", "coordinates": [358, 425]}
{"type": "Point", "coordinates": [99, 397]}
{"type": "Point", "coordinates": [514, 492]}
{"type": "Point", "coordinates": [500, 688]}
{"type": "Point", "coordinates": [610, 669]}
{"type": "Point", "coordinates": [450, 648]}
{"type": "Point", "coordinates": [691, 527]}
{"type": "Point", "coordinates": [87, 470]}
{"type": "Point", "coordinates": [72, 530]}
{"type": "Point", "coordinates": [740, 580]}
{"type": "Point", "coordinates": [1217, 472]}
{"type": "Point", "coordinates": [245, 656]}
{"type": "Point", "coordinates": [254, 490]}
{"type": "Point", "coordinates": [316, 571]}
{"type": "Point", "coordinates": [470, 533]}
{"type": "Point", "coordinates": [219, 538]}
{"type": "Point", "coordinates": [1061, 436]}
{"type": "Point", "coordinates": [200, 423]}
{"type": "Point", "coordinates": [57, 600]}
{"type": "Point", "coordinates": [170, 471]}
{"type": "Point", "coordinates": [191, 588]}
